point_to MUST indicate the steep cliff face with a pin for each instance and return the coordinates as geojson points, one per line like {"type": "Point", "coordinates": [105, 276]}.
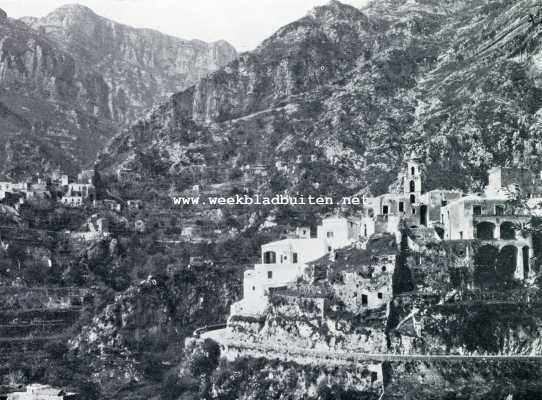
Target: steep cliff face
{"type": "Point", "coordinates": [47, 107]}
{"type": "Point", "coordinates": [138, 65]}
{"type": "Point", "coordinates": [508, 329]}
{"type": "Point", "coordinates": [487, 380]}
{"type": "Point", "coordinates": [351, 92]}
{"type": "Point", "coordinates": [71, 80]}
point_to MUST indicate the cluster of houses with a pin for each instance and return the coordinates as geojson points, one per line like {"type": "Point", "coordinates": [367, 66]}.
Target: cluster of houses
{"type": "Point", "coordinates": [70, 192]}
{"type": "Point", "coordinates": [497, 218]}
{"type": "Point", "coordinates": [40, 392]}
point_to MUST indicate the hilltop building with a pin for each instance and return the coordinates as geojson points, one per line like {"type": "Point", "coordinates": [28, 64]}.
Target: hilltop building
{"type": "Point", "coordinates": [496, 217]}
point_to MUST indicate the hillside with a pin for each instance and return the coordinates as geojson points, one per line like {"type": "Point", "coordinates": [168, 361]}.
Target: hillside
{"type": "Point", "coordinates": [348, 93]}
{"type": "Point", "coordinates": [72, 80]}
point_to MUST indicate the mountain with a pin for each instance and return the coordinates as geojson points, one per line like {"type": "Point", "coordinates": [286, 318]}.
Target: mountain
{"type": "Point", "coordinates": [341, 96]}
{"type": "Point", "coordinates": [72, 80]}
{"type": "Point", "coordinates": [137, 64]}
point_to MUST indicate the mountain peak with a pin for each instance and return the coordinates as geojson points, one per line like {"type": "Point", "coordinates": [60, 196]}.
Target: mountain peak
{"type": "Point", "coordinates": [74, 9]}
{"type": "Point", "coordinates": [335, 7]}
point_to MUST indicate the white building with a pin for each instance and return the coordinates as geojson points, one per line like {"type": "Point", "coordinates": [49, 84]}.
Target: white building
{"type": "Point", "coordinates": [284, 261]}
{"type": "Point", "coordinates": [42, 392]}
{"type": "Point", "coordinates": [77, 193]}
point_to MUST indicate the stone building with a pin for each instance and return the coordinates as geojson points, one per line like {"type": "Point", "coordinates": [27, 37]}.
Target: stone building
{"type": "Point", "coordinates": [495, 217]}
{"type": "Point", "coordinates": [408, 203]}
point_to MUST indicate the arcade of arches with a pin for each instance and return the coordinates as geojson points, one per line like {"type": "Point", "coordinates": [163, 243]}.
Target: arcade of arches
{"type": "Point", "coordinates": [489, 231]}
{"type": "Point", "coordinates": [494, 266]}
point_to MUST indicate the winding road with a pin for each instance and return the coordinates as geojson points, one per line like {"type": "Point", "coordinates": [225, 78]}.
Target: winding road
{"type": "Point", "coordinates": [283, 352]}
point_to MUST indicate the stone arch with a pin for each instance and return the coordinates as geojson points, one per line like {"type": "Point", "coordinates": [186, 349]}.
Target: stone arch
{"type": "Point", "coordinates": [423, 215]}
{"type": "Point", "coordinates": [485, 231]}
{"type": "Point", "coordinates": [525, 259]}
{"type": "Point", "coordinates": [507, 231]}
{"type": "Point", "coordinates": [269, 257]}
{"type": "Point", "coordinates": [484, 261]}
{"type": "Point", "coordinates": [505, 265]}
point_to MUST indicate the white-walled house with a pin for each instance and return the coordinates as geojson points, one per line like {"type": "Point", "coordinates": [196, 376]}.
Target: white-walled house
{"type": "Point", "coordinates": [338, 231]}
{"type": "Point", "coordinates": [284, 261]}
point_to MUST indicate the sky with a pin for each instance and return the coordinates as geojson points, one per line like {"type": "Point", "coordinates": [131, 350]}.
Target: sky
{"type": "Point", "coordinates": [243, 23]}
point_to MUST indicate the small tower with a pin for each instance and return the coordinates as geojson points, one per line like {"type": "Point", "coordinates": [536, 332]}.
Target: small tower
{"type": "Point", "coordinates": [413, 175]}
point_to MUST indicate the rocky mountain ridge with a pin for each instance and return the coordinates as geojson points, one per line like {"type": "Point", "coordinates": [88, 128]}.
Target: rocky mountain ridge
{"type": "Point", "coordinates": [72, 80]}
{"type": "Point", "coordinates": [351, 92]}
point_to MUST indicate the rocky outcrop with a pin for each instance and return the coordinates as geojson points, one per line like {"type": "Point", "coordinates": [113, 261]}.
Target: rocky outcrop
{"type": "Point", "coordinates": [152, 316]}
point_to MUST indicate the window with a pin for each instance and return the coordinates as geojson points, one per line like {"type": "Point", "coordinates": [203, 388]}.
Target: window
{"type": "Point", "coordinates": [412, 186]}
{"type": "Point", "coordinates": [380, 295]}
{"type": "Point", "coordinates": [499, 210]}
{"type": "Point", "coordinates": [385, 210]}
{"type": "Point", "coordinates": [269, 274]}
{"type": "Point", "coordinates": [294, 258]}
{"type": "Point", "coordinates": [364, 300]}
{"type": "Point", "coordinates": [412, 198]}
{"type": "Point", "coordinates": [329, 248]}
{"type": "Point", "coordinates": [269, 257]}
{"type": "Point", "coordinates": [384, 269]}
{"type": "Point", "coordinates": [329, 234]}
{"type": "Point", "coordinates": [477, 210]}
{"type": "Point", "coordinates": [413, 211]}
{"type": "Point", "coordinates": [354, 294]}
{"type": "Point", "coordinates": [444, 203]}
{"type": "Point", "coordinates": [412, 171]}
{"type": "Point", "coordinates": [374, 376]}
{"type": "Point", "coordinates": [253, 288]}
{"type": "Point", "coordinates": [401, 206]}
{"type": "Point", "coordinates": [461, 235]}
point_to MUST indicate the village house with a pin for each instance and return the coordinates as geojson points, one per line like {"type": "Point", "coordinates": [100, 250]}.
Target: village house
{"type": "Point", "coordinates": [60, 179]}
{"type": "Point", "coordinates": [41, 392]}
{"type": "Point", "coordinates": [86, 176]}
{"type": "Point", "coordinates": [77, 193]}
{"type": "Point", "coordinates": [107, 204]}
{"type": "Point", "coordinates": [134, 205]}
{"type": "Point", "coordinates": [127, 175]}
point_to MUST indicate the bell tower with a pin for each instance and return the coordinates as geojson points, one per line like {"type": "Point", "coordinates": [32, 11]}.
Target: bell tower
{"type": "Point", "coordinates": [413, 175]}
